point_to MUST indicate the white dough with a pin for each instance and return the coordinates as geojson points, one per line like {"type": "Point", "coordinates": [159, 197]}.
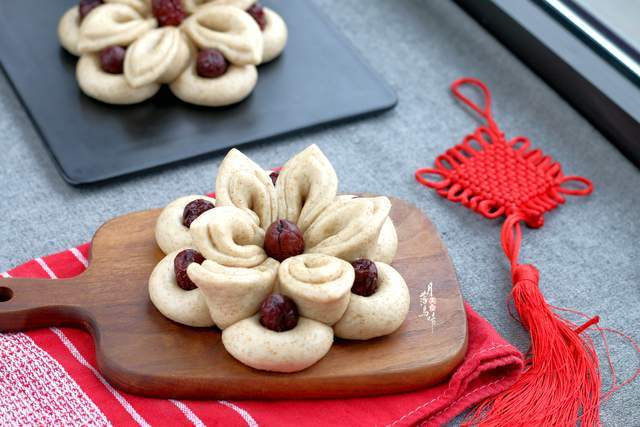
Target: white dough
{"type": "Point", "coordinates": [319, 284]}
{"type": "Point", "coordinates": [112, 24]}
{"type": "Point", "coordinates": [229, 236]}
{"type": "Point", "coordinates": [348, 228]}
{"type": "Point", "coordinates": [307, 184]}
{"type": "Point", "coordinates": [106, 87]}
{"type": "Point", "coordinates": [275, 35]}
{"type": "Point", "coordinates": [159, 56]}
{"type": "Point", "coordinates": [244, 184]}
{"type": "Point", "coordinates": [289, 351]}
{"type": "Point", "coordinates": [230, 30]}
{"type": "Point", "coordinates": [387, 245]}
{"type": "Point", "coordinates": [378, 314]}
{"type": "Point", "coordinates": [171, 234]}
{"type": "Point", "coordinates": [69, 30]}
{"type": "Point", "coordinates": [186, 307]}
{"type": "Point", "coordinates": [233, 293]}
{"type": "Point", "coordinates": [230, 88]}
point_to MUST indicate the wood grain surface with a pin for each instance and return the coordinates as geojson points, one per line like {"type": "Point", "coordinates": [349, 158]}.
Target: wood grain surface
{"type": "Point", "coordinates": [142, 352]}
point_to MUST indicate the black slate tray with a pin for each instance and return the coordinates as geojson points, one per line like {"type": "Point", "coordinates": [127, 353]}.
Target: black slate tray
{"type": "Point", "coordinates": [319, 79]}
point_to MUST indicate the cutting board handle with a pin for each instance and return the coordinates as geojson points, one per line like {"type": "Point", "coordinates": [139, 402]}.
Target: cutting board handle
{"type": "Point", "coordinates": [37, 303]}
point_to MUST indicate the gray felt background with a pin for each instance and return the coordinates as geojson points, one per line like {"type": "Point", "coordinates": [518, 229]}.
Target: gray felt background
{"type": "Point", "coordinates": [587, 252]}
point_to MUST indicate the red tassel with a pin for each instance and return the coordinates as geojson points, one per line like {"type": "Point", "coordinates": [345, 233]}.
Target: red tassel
{"type": "Point", "coordinates": [561, 381]}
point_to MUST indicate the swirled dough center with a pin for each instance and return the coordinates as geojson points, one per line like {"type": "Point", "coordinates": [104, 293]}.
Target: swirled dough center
{"type": "Point", "coordinates": [229, 236]}
{"type": "Point", "coordinates": [319, 284]}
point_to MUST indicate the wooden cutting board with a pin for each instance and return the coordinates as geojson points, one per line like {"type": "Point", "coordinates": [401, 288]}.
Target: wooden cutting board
{"type": "Point", "coordinates": [142, 352]}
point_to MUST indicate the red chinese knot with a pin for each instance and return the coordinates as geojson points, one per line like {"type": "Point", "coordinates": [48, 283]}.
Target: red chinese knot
{"type": "Point", "coordinates": [495, 176]}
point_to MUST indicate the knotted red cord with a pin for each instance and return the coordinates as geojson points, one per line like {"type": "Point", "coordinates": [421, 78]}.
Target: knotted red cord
{"type": "Point", "coordinates": [495, 177]}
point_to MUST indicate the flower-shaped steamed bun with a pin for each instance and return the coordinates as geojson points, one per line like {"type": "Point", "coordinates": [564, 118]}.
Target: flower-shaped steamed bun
{"type": "Point", "coordinates": [188, 307]}
{"type": "Point", "coordinates": [206, 50]}
{"type": "Point", "coordinates": [378, 314]}
{"type": "Point", "coordinates": [171, 231]}
{"type": "Point", "coordinates": [319, 284]}
{"type": "Point", "coordinates": [233, 293]}
{"type": "Point", "coordinates": [229, 236]}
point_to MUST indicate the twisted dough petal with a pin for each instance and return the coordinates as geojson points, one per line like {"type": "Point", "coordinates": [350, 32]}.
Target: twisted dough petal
{"type": "Point", "coordinates": [69, 30]}
{"type": "Point", "coordinates": [307, 184]}
{"type": "Point", "coordinates": [229, 236]}
{"type": "Point", "coordinates": [231, 87]}
{"type": "Point", "coordinates": [274, 35]}
{"type": "Point", "coordinates": [142, 6]}
{"type": "Point", "coordinates": [191, 5]}
{"type": "Point", "coordinates": [348, 228]}
{"type": "Point", "coordinates": [158, 56]}
{"type": "Point", "coordinates": [186, 307]}
{"type": "Point", "coordinates": [228, 29]}
{"type": "Point", "coordinates": [171, 234]}
{"type": "Point", "coordinates": [110, 25]}
{"type": "Point", "coordinates": [378, 314]}
{"type": "Point", "coordinates": [233, 293]}
{"type": "Point", "coordinates": [109, 88]}
{"type": "Point", "coordinates": [289, 351]}
{"type": "Point", "coordinates": [244, 184]}
{"type": "Point", "coordinates": [386, 247]}
{"type": "Point", "coordinates": [319, 284]}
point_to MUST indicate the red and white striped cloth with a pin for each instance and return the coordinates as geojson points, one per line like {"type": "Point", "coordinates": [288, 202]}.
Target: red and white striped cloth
{"type": "Point", "coordinates": [49, 377]}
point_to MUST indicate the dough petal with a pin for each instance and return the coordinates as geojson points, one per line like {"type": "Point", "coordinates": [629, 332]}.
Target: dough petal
{"type": "Point", "coordinates": [319, 284]}
{"type": "Point", "coordinates": [233, 293]}
{"type": "Point", "coordinates": [243, 184]}
{"type": "Point", "coordinates": [106, 87]}
{"type": "Point", "coordinates": [158, 56]}
{"type": "Point", "coordinates": [110, 25]}
{"type": "Point", "coordinates": [171, 234]}
{"type": "Point", "coordinates": [307, 184]}
{"type": "Point", "coordinates": [192, 5]}
{"type": "Point", "coordinates": [142, 6]}
{"type": "Point", "coordinates": [387, 245]}
{"type": "Point", "coordinates": [274, 35]}
{"type": "Point", "coordinates": [348, 228]}
{"type": "Point", "coordinates": [289, 351]}
{"type": "Point", "coordinates": [379, 314]}
{"type": "Point", "coordinates": [230, 88]}
{"type": "Point", "coordinates": [69, 30]}
{"type": "Point", "coordinates": [186, 307]}
{"type": "Point", "coordinates": [229, 236]}
{"type": "Point", "coordinates": [228, 29]}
